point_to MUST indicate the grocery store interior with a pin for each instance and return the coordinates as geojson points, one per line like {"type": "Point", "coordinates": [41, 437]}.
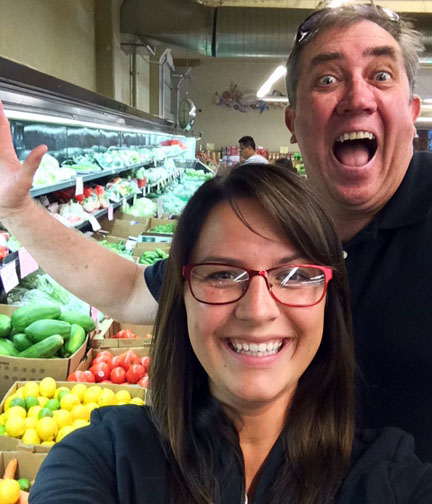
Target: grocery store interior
{"type": "Point", "coordinates": [139, 103]}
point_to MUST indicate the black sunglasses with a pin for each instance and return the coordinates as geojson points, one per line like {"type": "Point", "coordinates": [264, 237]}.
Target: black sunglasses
{"type": "Point", "coordinates": [308, 28]}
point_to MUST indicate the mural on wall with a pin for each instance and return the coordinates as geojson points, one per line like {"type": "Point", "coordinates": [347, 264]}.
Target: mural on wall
{"type": "Point", "coordinates": [244, 101]}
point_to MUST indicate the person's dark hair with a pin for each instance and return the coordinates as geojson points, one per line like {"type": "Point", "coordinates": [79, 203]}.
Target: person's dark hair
{"type": "Point", "coordinates": [402, 31]}
{"type": "Point", "coordinates": [285, 163]}
{"type": "Point", "coordinates": [247, 141]}
{"type": "Point", "coordinates": [318, 432]}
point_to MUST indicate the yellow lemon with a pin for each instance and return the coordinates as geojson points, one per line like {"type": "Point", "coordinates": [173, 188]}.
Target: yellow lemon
{"type": "Point", "coordinates": [60, 389]}
{"type": "Point", "coordinates": [91, 406]}
{"type": "Point", "coordinates": [15, 426]}
{"type": "Point", "coordinates": [30, 436]}
{"type": "Point", "coordinates": [107, 397]}
{"type": "Point", "coordinates": [68, 401]}
{"type": "Point", "coordinates": [92, 394]}
{"type": "Point", "coordinates": [8, 400]}
{"type": "Point", "coordinates": [42, 400]}
{"type": "Point", "coordinates": [47, 387]}
{"type": "Point", "coordinates": [80, 423]}
{"type": "Point", "coordinates": [123, 396]}
{"type": "Point", "coordinates": [47, 443]}
{"type": "Point", "coordinates": [2, 419]}
{"type": "Point", "coordinates": [31, 388]}
{"type": "Point", "coordinates": [15, 411]}
{"type": "Point", "coordinates": [20, 392]}
{"type": "Point", "coordinates": [47, 428]}
{"type": "Point", "coordinates": [79, 390]}
{"type": "Point", "coordinates": [64, 431]}
{"type": "Point", "coordinates": [137, 400]}
{"type": "Point", "coordinates": [9, 491]}
{"type": "Point", "coordinates": [80, 411]}
{"type": "Point", "coordinates": [62, 418]}
{"type": "Point", "coordinates": [34, 411]}
{"type": "Point", "coordinates": [31, 422]}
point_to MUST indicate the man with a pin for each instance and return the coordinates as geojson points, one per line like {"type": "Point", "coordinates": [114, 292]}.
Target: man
{"type": "Point", "coordinates": [350, 80]}
{"type": "Point", "coordinates": [248, 151]}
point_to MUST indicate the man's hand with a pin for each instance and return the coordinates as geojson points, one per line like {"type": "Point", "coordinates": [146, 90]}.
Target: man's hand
{"type": "Point", "coordinates": [15, 178]}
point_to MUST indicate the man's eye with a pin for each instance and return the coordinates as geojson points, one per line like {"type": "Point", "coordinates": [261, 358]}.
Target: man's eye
{"type": "Point", "coordinates": [327, 80]}
{"type": "Point", "coordinates": [383, 76]}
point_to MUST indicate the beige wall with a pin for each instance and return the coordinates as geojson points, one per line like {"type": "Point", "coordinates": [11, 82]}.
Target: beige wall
{"type": "Point", "coordinates": [223, 126]}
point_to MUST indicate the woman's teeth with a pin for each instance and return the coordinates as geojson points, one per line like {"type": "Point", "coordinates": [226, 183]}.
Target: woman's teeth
{"type": "Point", "coordinates": [257, 349]}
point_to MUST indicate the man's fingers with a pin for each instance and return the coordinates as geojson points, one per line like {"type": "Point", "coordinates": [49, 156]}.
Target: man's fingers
{"type": "Point", "coordinates": [33, 160]}
{"type": "Point", "coordinates": [6, 145]}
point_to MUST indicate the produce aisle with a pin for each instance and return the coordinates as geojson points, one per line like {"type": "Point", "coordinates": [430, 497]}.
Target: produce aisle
{"type": "Point", "coordinates": [59, 357]}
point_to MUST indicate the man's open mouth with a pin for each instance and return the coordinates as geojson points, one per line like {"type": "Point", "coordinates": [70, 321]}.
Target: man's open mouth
{"type": "Point", "coordinates": [355, 148]}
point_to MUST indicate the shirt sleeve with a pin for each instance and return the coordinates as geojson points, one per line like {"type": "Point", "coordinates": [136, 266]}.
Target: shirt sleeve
{"type": "Point", "coordinates": [154, 276]}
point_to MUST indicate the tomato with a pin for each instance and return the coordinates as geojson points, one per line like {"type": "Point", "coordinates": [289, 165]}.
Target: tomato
{"type": "Point", "coordinates": [117, 361]}
{"type": "Point", "coordinates": [144, 381]}
{"type": "Point", "coordinates": [130, 358]}
{"type": "Point", "coordinates": [134, 373]}
{"type": "Point", "coordinates": [103, 356]}
{"type": "Point", "coordinates": [145, 362]}
{"type": "Point", "coordinates": [125, 334]}
{"type": "Point", "coordinates": [101, 371]}
{"type": "Point", "coordinates": [82, 376]}
{"type": "Point", "coordinates": [118, 375]}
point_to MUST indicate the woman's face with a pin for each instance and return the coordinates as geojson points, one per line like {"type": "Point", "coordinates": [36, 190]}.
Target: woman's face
{"type": "Point", "coordinates": [238, 379]}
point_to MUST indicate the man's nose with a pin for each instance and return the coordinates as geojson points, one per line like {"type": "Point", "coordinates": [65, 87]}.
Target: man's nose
{"type": "Point", "coordinates": [357, 97]}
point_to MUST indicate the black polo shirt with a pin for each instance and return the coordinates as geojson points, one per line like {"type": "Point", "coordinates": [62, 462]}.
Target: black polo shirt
{"type": "Point", "coordinates": [390, 273]}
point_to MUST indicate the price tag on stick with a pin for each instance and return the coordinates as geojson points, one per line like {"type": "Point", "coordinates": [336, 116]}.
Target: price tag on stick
{"type": "Point", "coordinates": [94, 223]}
{"type": "Point", "coordinates": [9, 276]}
{"type": "Point", "coordinates": [110, 212]}
{"type": "Point", "coordinates": [79, 186]}
{"type": "Point", "coordinates": [26, 262]}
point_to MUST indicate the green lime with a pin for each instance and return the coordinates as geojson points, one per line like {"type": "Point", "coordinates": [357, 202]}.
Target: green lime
{"type": "Point", "coordinates": [52, 404]}
{"type": "Point", "coordinates": [62, 393]}
{"type": "Point", "coordinates": [2, 430]}
{"type": "Point", "coordinates": [24, 484]}
{"type": "Point", "coordinates": [17, 401]}
{"type": "Point", "coordinates": [31, 401]}
{"type": "Point", "coordinates": [44, 412]}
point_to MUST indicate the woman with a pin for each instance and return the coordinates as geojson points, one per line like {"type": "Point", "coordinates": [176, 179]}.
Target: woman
{"type": "Point", "coordinates": [252, 372]}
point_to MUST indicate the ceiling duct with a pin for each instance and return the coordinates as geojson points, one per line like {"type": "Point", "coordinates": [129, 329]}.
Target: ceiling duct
{"type": "Point", "coordinates": [228, 32]}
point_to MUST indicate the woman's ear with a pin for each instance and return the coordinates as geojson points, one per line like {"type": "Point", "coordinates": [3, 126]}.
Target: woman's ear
{"type": "Point", "coordinates": [289, 122]}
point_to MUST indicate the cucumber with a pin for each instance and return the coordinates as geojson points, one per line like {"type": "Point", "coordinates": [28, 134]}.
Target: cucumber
{"type": "Point", "coordinates": [41, 329]}
{"type": "Point", "coordinates": [77, 338]}
{"type": "Point", "coordinates": [25, 315]}
{"type": "Point", "coordinates": [43, 349]}
{"type": "Point", "coordinates": [74, 317]}
{"type": "Point", "coordinates": [7, 348]}
{"type": "Point", "coordinates": [21, 341]}
{"type": "Point", "coordinates": [5, 326]}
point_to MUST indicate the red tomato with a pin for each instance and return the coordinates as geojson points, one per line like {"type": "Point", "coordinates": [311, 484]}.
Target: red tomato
{"type": "Point", "coordinates": [134, 373]}
{"type": "Point", "coordinates": [145, 362]}
{"type": "Point", "coordinates": [144, 381]}
{"type": "Point", "coordinates": [101, 371]}
{"type": "Point", "coordinates": [103, 356]}
{"type": "Point", "coordinates": [117, 360]}
{"type": "Point", "coordinates": [118, 375]}
{"type": "Point", "coordinates": [82, 376]}
{"type": "Point", "coordinates": [130, 358]}
{"type": "Point", "coordinates": [125, 334]}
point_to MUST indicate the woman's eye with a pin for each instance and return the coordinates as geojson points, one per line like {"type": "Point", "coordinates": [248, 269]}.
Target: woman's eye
{"type": "Point", "coordinates": [221, 275]}
{"type": "Point", "coordinates": [383, 76]}
{"type": "Point", "coordinates": [327, 80]}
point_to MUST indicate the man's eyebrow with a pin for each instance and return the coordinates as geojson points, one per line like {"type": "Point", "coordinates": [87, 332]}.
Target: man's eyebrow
{"type": "Point", "coordinates": [381, 51]}
{"type": "Point", "coordinates": [325, 57]}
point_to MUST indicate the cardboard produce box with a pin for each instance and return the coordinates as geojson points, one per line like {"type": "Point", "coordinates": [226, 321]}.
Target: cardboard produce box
{"type": "Point", "coordinates": [159, 222]}
{"type": "Point", "coordinates": [14, 369]}
{"type": "Point", "coordinates": [104, 338]}
{"type": "Point", "coordinates": [123, 228]}
{"type": "Point", "coordinates": [28, 463]}
{"type": "Point", "coordinates": [130, 217]}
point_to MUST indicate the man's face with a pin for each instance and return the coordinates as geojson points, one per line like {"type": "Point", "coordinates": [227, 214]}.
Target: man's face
{"type": "Point", "coordinates": [245, 152]}
{"type": "Point", "coordinates": [353, 86]}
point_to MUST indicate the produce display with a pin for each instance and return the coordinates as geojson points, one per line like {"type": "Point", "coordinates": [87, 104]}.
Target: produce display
{"type": "Point", "coordinates": [13, 491]}
{"type": "Point", "coordinates": [119, 248]}
{"type": "Point", "coordinates": [41, 331]}
{"type": "Point", "coordinates": [164, 228]}
{"type": "Point", "coordinates": [151, 256]}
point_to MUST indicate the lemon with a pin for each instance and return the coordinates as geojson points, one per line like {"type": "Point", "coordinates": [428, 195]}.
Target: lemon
{"type": "Point", "coordinates": [44, 412]}
{"type": "Point", "coordinates": [31, 422]}
{"type": "Point", "coordinates": [80, 412]}
{"type": "Point", "coordinates": [15, 426]}
{"type": "Point", "coordinates": [91, 406]}
{"type": "Point", "coordinates": [62, 418]}
{"type": "Point", "coordinates": [31, 388]}
{"type": "Point", "coordinates": [2, 419]}
{"type": "Point", "coordinates": [80, 423]}
{"type": "Point", "coordinates": [79, 389]}
{"type": "Point", "coordinates": [59, 390]}
{"type": "Point", "coordinates": [33, 412]}
{"type": "Point", "coordinates": [3, 430]}
{"type": "Point", "coordinates": [47, 387]}
{"type": "Point", "coordinates": [92, 394]}
{"type": "Point", "coordinates": [64, 431]}
{"type": "Point", "coordinates": [15, 411]}
{"type": "Point", "coordinates": [47, 428]}
{"type": "Point", "coordinates": [47, 443]}
{"type": "Point", "coordinates": [52, 404]}
{"type": "Point", "coordinates": [20, 392]}
{"type": "Point", "coordinates": [68, 401]}
{"type": "Point", "coordinates": [8, 400]}
{"type": "Point", "coordinates": [123, 396]}
{"type": "Point", "coordinates": [107, 397]}
{"type": "Point", "coordinates": [42, 400]}
{"type": "Point", "coordinates": [30, 436]}
{"type": "Point", "coordinates": [137, 400]}
{"type": "Point", "coordinates": [9, 491]}
{"type": "Point", "coordinates": [30, 401]}
{"type": "Point", "coordinates": [17, 401]}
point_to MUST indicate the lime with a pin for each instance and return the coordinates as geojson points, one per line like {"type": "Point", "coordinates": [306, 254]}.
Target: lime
{"type": "Point", "coordinates": [33, 412]}
{"type": "Point", "coordinates": [24, 484]}
{"type": "Point", "coordinates": [17, 401]}
{"type": "Point", "coordinates": [47, 387]}
{"type": "Point", "coordinates": [60, 389]}
{"type": "Point", "coordinates": [2, 419]}
{"type": "Point", "coordinates": [45, 412]}
{"type": "Point", "coordinates": [30, 436]}
{"type": "Point", "coordinates": [47, 428]}
{"type": "Point", "coordinates": [30, 401]}
{"type": "Point", "coordinates": [15, 427]}
{"type": "Point", "coordinates": [2, 430]}
{"type": "Point", "coordinates": [52, 404]}
{"type": "Point", "coordinates": [9, 491]}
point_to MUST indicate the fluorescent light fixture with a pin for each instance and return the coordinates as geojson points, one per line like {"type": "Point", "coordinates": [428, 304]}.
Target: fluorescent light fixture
{"type": "Point", "coordinates": [425, 62]}
{"type": "Point", "coordinates": [268, 84]}
{"type": "Point", "coordinates": [427, 101]}
{"type": "Point", "coordinates": [275, 99]}
{"type": "Point", "coordinates": [336, 3]}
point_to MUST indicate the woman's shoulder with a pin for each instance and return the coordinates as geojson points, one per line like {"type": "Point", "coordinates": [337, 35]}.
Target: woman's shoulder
{"type": "Point", "coordinates": [385, 468]}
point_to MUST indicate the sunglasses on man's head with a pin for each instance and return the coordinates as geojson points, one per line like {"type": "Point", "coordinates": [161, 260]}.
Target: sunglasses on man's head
{"type": "Point", "coordinates": [308, 28]}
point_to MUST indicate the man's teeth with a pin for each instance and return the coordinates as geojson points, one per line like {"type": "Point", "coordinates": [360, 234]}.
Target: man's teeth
{"type": "Point", "coordinates": [257, 350]}
{"type": "Point", "coordinates": [356, 135]}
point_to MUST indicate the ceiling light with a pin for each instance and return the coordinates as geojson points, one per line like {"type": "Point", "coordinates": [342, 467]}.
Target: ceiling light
{"type": "Point", "coordinates": [268, 84]}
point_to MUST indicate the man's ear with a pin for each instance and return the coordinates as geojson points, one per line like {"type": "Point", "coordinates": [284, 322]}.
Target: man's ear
{"type": "Point", "coordinates": [415, 107]}
{"type": "Point", "coordinates": [289, 122]}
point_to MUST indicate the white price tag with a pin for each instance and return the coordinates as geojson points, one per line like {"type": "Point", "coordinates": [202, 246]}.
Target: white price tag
{"type": "Point", "coordinates": [124, 203]}
{"type": "Point", "coordinates": [9, 276]}
{"type": "Point", "coordinates": [94, 223]}
{"type": "Point", "coordinates": [130, 245]}
{"type": "Point", "coordinates": [159, 208]}
{"type": "Point", "coordinates": [144, 191]}
{"type": "Point", "coordinates": [94, 313]}
{"type": "Point", "coordinates": [26, 262]}
{"type": "Point", "coordinates": [79, 186]}
{"type": "Point", "coordinates": [110, 212]}
{"type": "Point", "coordinates": [134, 199]}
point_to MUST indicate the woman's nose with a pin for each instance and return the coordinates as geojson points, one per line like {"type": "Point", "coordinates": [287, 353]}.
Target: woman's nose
{"type": "Point", "coordinates": [257, 304]}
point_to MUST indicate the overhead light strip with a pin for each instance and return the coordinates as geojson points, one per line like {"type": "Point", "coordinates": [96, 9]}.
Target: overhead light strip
{"type": "Point", "coordinates": [265, 89]}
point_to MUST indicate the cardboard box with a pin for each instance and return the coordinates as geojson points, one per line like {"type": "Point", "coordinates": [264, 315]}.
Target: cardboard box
{"type": "Point", "coordinates": [28, 463]}
{"type": "Point", "coordinates": [10, 444]}
{"type": "Point", "coordinates": [13, 369]}
{"type": "Point", "coordinates": [104, 338]}
{"type": "Point", "coordinates": [123, 228]}
{"type": "Point", "coordinates": [130, 217]}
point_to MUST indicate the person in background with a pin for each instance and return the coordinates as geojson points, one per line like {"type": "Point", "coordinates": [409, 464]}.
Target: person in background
{"type": "Point", "coordinates": [285, 163]}
{"type": "Point", "coordinates": [248, 151]}
{"type": "Point", "coordinates": [252, 371]}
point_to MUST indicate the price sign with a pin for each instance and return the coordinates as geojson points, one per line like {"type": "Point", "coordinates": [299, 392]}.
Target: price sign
{"type": "Point", "coordinates": [94, 314]}
{"type": "Point", "coordinates": [9, 276]}
{"type": "Point", "coordinates": [94, 223]}
{"type": "Point", "coordinates": [159, 208]}
{"type": "Point", "coordinates": [26, 262]}
{"type": "Point", "coordinates": [110, 212]}
{"type": "Point", "coordinates": [79, 186]}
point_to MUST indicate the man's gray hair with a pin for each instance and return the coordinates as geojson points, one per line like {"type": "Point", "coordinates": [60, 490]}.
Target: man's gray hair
{"type": "Point", "coordinates": [402, 31]}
